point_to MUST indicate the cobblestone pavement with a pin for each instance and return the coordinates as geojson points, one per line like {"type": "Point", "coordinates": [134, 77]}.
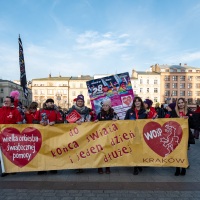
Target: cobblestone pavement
{"type": "Point", "coordinates": [151, 184]}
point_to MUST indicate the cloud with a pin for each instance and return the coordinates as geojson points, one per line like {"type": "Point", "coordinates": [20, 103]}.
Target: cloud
{"type": "Point", "coordinates": [101, 44]}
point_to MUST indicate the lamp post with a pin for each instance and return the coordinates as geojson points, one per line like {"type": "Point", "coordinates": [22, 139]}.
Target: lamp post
{"type": "Point", "coordinates": [68, 91]}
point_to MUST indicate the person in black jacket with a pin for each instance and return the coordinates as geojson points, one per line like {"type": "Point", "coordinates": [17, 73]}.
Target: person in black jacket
{"type": "Point", "coordinates": [181, 111]}
{"type": "Point", "coordinates": [137, 111]}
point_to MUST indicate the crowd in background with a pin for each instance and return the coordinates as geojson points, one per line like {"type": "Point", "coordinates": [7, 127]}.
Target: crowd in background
{"type": "Point", "coordinates": [13, 112]}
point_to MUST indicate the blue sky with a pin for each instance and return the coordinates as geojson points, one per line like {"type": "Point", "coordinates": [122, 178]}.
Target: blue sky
{"type": "Point", "coordinates": [74, 37]}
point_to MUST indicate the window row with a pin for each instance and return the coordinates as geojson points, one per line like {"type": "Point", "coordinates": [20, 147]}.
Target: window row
{"type": "Point", "coordinates": [56, 92]}
{"type": "Point", "coordinates": [182, 93]}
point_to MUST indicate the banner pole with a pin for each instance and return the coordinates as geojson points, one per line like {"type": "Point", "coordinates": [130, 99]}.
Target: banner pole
{"type": "Point", "coordinates": [2, 163]}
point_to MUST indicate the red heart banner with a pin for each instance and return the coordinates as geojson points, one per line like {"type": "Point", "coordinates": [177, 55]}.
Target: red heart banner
{"type": "Point", "coordinates": [21, 148]}
{"type": "Point", "coordinates": [163, 139]}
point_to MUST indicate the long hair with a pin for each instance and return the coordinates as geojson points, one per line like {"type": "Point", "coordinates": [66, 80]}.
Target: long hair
{"type": "Point", "coordinates": [140, 100]}
{"type": "Point", "coordinates": [110, 111]}
{"type": "Point", "coordinates": [177, 108]}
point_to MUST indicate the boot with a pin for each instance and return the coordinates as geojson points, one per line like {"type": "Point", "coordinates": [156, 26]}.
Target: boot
{"type": "Point", "coordinates": [135, 171]}
{"type": "Point", "coordinates": [183, 171]}
{"type": "Point", "coordinates": [177, 173]}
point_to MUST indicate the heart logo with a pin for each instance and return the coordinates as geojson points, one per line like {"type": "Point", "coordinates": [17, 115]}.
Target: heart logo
{"type": "Point", "coordinates": [20, 149]}
{"type": "Point", "coordinates": [162, 139]}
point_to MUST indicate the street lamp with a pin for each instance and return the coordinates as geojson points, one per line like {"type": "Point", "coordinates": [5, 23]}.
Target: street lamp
{"type": "Point", "coordinates": [68, 90]}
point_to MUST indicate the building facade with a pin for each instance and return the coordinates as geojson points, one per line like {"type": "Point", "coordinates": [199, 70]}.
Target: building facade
{"type": "Point", "coordinates": [62, 89]}
{"type": "Point", "coordinates": [146, 85]}
{"type": "Point", "coordinates": [6, 87]}
{"type": "Point", "coordinates": [178, 81]}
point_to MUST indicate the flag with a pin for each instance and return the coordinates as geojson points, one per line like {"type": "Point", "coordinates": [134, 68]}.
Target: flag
{"type": "Point", "coordinates": [23, 80]}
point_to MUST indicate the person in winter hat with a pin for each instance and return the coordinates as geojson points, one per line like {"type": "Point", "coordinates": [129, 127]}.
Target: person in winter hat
{"type": "Point", "coordinates": [172, 106]}
{"type": "Point", "coordinates": [106, 113]}
{"type": "Point", "coordinates": [151, 112]}
{"type": "Point", "coordinates": [84, 111]}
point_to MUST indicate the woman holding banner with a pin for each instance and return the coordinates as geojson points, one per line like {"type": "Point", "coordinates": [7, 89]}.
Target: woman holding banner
{"type": "Point", "coordinates": [78, 114]}
{"type": "Point", "coordinates": [106, 113]}
{"type": "Point", "coordinates": [181, 111]}
{"type": "Point", "coordinates": [137, 111]}
{"type": "Point", "coordinates": [9, 114]}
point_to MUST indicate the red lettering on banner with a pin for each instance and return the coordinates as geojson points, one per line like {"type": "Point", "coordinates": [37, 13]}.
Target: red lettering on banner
{"type": "Point", "coordinates": [88, 152]}
{"type": "Point", "coordinates": [119, 139]}
{"type": "Point", "coordinates": [117, 153]}
{"type": "Point", "coordinates": [74, 131]}
{"type": "Point", "coordinates": [100, 133]}
{"type": "Point", "coordinates": [59, 151]}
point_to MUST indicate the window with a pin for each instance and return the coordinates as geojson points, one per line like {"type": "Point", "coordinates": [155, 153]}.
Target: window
{"type": "Point", "coordinates": [197, 85]}
{"type": "Point", "coordinates": [190, 78]}
{"type": "Point", "coordinates": [147, 81]}
{"type": "Point", "coordinates": [81, 85]}
{"type": "Point", "coordinates": [73, 85]}
{"type": "Point", "coordinates": [147, 90]}
{"type": "Point", "coordinates": [182, 85]}
{"type": "Point", "coordinates": [41, 91]}
{"type": "Point", "coordinates": [49, 91]}
{"type": "Point", "coordinates": [155, 99]}
{"type": "Point", "coordinates": [141, 81]}
{"type": "Point", "coordinates": [73, 93]}
{"type": "Point", "coordinates": [174, 85]}
{"type": "Point", "coordinates": [175, 78]}
{"type": "Point", "coordinates": [167, 85]}
{"type": "Point", "coordinates": [141, 90]}
{"type": "Point", "coordinates": [182, 78]}
{"type": "Point", "coordinates": [167, 78]}
{"type": "Point", "coordinates": [1, 90]}
{"type": "Point", "coordinates": [189, 93]}
{"type": "Point", "coordinates": [174, 93]}
{"type": "Point", "coordinates": [198, 78]}
{"type": "Point", "coordinates": [1, 100]}
{"type": "Point", "coordinates": [182, 93]}
{"type": "Point", "coordinates": [197, 93]}
{"type": "Point", "coordinates": [190, 100]}
{"type": "Point", "coordinates": [167, 93]}
{"type": "Point", "coordinates": [167, 70]}
{"type": "Point", "coordinates": [155, 90]}
{"type": "Point", "coordinates": [189, 85]}
{"type": "Point", "coordinates": [36, 92]}
{"type": "Point", "coordinates": [64, 91]}
{"type": "Point", "coordinates": [81, 92]}
{"type": "Point", "coordinates": [155, 81]}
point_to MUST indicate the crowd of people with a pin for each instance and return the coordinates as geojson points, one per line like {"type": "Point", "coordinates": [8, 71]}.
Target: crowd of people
{"type": "Point", "coordinates": [13, 112]}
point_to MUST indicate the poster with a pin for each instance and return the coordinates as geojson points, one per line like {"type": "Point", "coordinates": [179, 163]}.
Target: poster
{"type": "Point", "coordinates": [116, 87]}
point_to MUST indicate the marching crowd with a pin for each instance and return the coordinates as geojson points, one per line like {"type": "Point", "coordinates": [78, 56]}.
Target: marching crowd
{"type": "Point", "coordinates": [13, 112]}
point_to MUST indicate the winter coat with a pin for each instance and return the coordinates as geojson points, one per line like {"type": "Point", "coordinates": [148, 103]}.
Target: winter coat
{"type": "Point", "coordinates": [10, 115]}
{"type": "Point", "coordinates": [49, 115]}
{"type": "Point", "coordinates": [130, 114]}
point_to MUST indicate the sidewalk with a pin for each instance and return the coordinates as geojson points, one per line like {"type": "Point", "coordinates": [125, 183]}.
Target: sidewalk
{"type": "Point", "coordinates": [151, 183]}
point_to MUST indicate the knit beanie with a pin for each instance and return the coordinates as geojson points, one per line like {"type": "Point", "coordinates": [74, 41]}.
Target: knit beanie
{"type": "Point", "coordinates": [49, 100]}
{"type": "Point", "coordinates": [80, 97]}
{"type": "Point", "coordinates": [106, 101]}
{"type": "Point", "coordinates": [148, 102]}
{"type": "Point", "coordinates": [172, 105]}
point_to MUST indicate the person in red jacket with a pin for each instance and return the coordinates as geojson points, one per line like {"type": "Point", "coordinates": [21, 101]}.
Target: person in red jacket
{"type": "Point", "coordinates": [31, 113]}
{"type": "Point", "coordinates": [48, 115]}
{"type": "Point", "coordinates": [151, 112]}
{"type": "Point", "coordinates": [8, 113]}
